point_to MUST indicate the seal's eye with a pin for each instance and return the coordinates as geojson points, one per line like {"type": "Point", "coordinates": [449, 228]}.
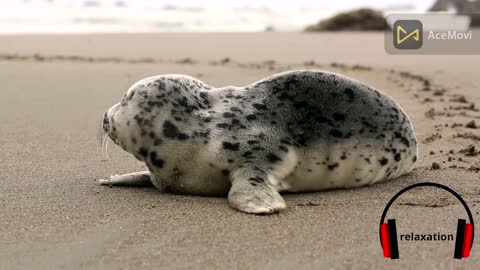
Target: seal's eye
{"type": "Point", "coordinates": [106, 124]}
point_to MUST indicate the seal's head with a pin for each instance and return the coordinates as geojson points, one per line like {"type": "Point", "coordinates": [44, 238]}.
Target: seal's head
{"type": "Point", "coordinates": [121, 124]}
{"type": "Point", "coordinates": [155, 110]}
{"type": "Point", "coordinates": [112, 122]}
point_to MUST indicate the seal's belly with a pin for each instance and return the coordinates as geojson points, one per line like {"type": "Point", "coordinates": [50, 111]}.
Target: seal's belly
{"type": "Point", "coordinates": [346, 165]}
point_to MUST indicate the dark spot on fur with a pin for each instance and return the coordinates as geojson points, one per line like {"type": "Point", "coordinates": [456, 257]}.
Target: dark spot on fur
{"type": "Point", "coordinates": [228, 115]}
{"type": "Point", "coordinates": [231, 146]}
{"type": "Point", "coordinates": [170, 130]}
{"type": "Point", "coordinates": [339, 117]}
{"type": "Point", "coordinates": [300, 104]}
{"type": "Point", "coordinates": [284, 141]}
{"type": "Point", "coordinates": [336, 133]}
{"type": "Point", "coordinates": [350, 94]}
{"type": "Point", "coordinates": [332, 167]}
{"type": "Point", "coordinates": [143, 152]}
{"type": "Point", "coordinates": [235, 121]}
{"type": "Point", "coordinates": [251, 117]}
{"type": "Point", "coordinates": [157, 162]}
{"type": "Point", "coordinates": [259, 106]}
{"type": "Point", "coordinates": [397, 157]}
{"type": "Point", "coordinates": [383, 161]}
{"type": "Point", "coordinates": [273, 158]}
{"type": "Point", "coordinates": [225, 172]}
{"type": "Point", "coordinates": [223, 125]}
{"type": "Point", "coordinates": [283, 96]}
{"type": "Point", "coordinates": [247, 154]}
{"type": "Point", "coordinates": [182, 136]}
{"type": "Point", "coordinates": [321, 119]}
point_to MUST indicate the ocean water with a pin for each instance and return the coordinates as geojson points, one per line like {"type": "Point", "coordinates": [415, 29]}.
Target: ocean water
{"type": "Point", "coordinates": [21, 17]}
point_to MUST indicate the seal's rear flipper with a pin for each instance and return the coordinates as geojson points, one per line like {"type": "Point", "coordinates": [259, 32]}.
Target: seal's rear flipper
{"type": "Point", "coordinates": [136, 179]}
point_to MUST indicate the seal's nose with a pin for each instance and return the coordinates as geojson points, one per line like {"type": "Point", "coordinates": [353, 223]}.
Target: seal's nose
{"type": "Point", "coordinates": [106, 124]}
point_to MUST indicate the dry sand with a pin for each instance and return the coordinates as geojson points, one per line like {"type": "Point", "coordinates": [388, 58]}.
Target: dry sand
{"type": "Point", "coordinates": [54, 216]}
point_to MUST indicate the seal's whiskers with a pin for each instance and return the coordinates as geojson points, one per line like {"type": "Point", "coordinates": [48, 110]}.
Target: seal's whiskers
{"type": "Point", "coordinates": [102, 138]}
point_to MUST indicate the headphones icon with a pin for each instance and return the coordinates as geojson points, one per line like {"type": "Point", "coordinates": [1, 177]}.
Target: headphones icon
{"type": "Point", "coordinates": [463, 239]}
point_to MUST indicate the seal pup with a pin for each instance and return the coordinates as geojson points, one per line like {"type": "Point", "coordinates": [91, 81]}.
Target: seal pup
{"type": "Point", "coordinates": [295, 131]}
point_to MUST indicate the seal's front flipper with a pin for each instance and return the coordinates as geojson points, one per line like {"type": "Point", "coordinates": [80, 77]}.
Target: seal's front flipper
{"type": "Point", "coordinates": [136, 179]}
{"type": "Point", "coordinates": [254, 194]}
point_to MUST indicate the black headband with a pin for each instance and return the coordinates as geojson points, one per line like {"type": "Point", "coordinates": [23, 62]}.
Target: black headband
{"type": "Point", "coordinates": [429, 184]}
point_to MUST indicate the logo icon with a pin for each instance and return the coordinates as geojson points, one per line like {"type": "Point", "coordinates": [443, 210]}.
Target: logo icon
{"type": "Point", "coordinates": [464, 235]}
{"type": "Point", "coordinates": [408, 34]}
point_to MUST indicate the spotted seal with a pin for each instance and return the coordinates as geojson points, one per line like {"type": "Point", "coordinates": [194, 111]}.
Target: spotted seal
{"type": "Point", "coordinates": [295, 131]}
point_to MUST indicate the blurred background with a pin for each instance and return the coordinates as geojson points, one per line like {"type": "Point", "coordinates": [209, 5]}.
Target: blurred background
{"type": "Point", "coordinates": [97, 16]}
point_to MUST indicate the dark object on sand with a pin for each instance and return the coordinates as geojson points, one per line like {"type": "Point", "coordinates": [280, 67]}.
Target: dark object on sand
{"type": "Point", "coordinates": [363, 19]}
{"type": "Point", "coordinates": [471, 124]}
{"type": "Point", "coordinates": [470, 151]}
{"type": "Point", "coordinates": [435, 166]}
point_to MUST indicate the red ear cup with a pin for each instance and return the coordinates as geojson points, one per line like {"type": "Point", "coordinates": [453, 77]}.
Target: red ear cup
{"type": "Point", "coordinates": [467, 240]}
{"type": "Point", "coordinates": [385, 240]}
{"type": "Point", "coordinates": [459, 239]}
{"type": "Point", "coordinates": [388, 236]}
{"type": "Point", "coordinates": [392, 238]}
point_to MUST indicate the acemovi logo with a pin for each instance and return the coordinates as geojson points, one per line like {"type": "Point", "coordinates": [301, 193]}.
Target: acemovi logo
{"type": "Point", "coordinates": [408, 34]}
